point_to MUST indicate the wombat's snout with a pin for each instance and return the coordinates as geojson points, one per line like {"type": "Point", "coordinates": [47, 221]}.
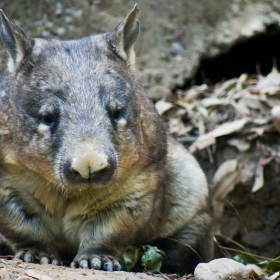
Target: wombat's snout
{"type": "Point", "coordinates": [88, 166]}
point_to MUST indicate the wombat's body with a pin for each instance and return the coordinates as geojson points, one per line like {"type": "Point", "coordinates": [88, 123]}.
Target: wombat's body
{"type": "Point", "coordinates": [86, 167]}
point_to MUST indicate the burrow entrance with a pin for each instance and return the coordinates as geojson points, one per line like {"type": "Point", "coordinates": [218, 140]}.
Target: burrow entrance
{"type": "Point", "coordinates": [251, 56]}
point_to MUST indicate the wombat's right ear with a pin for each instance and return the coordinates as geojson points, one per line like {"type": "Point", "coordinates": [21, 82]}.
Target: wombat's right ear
{"type": "Point", "coordinates": [15, 41]}
{"type": "Point", "coordinates": [125, 35]}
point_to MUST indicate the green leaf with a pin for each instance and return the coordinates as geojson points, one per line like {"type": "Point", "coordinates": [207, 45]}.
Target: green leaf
{"type": "Point", "coordinates": [246, 258]}
{"type": "Point", "coordinates": [152, 258]}
{"type": "Point", "coordinates": [130, 257]}
{"type": "Point", "coordinates": [274, 265]}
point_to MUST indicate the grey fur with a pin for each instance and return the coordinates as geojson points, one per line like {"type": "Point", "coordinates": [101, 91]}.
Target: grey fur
{"type": "Point", "coordinates": [86, 165]}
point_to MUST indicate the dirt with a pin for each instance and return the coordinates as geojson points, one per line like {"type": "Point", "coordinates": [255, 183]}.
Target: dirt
{"type": "Point", "coordinates": [18, 270]}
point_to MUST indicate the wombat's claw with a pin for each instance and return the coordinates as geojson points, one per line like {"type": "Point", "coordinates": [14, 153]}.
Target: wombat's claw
{"type": "Point", "coordinates": [33, 256]}
{"type": "Point", "coordinates": [107, 263]}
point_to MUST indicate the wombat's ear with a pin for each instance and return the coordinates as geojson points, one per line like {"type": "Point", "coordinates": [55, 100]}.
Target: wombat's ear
{"type": "Point", "coordinates": [125, 35]}
{"type": "Point", "coordinates": [15, 41]}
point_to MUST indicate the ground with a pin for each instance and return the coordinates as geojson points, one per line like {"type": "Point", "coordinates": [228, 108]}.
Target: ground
{"type": "Point", "coordinates": [17, 270]}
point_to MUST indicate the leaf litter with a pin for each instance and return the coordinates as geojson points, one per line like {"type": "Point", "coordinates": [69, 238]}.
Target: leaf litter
{"type": "Point", "coordinates": [236, 113]}
{"type": "Point", "coordinates": [240, 110]}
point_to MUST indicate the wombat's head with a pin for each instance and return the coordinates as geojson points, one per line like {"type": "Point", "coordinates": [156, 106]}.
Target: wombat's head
{"type": "Point", "coordinates": [79, 117]}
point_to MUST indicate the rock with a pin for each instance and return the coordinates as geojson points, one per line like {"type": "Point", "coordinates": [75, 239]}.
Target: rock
{"type": "Point", "coordinates": [222, 269]}
{"type": "Point", "coordinates": [174, 38]}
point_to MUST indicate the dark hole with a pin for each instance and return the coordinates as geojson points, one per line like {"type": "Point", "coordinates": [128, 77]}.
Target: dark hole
{"type": "Point", "coordinates": [245, 57]}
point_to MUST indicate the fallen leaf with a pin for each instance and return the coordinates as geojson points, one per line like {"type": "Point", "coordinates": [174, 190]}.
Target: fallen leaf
{"type": "Point", "coordinates": [240, 144]}
{"type": "Point", "coordinates": [130, 257]}
{"type": "Point", "coordinates": [263, 121]}
{"type": "Point", "coordinates": [223, 88]}
{"type": "Point", "coordinates": [4, 275]}
{"type": "Point", "coordinates": [264, 161]}
{"type": "Point", "coordinates": [163, 106]}
{"type": "Point", "coordinates": [213, 101]}
{"type": "Point", "coordinates": [152, 258]}
{"type": "Point", "coordinates": [256, 269]}
{"type": "Point", "coordinates": [250, 100]}
{"type": "Point", "coordinates": [240, 108]}
{"type": "Point", "coordinates": [271, 101]}
{"type": "Point", "coordinates": [274, 276]}
{"type": "Point", "coordinates": [275, 113]}
{"type": "Point", "coordinates": [177, 126]}
{"type": "Point", "coordinates": [202, 111]}
{"type": "Point", "coordinates": [36, 275]}
{"type": "Point", "coordinates": [208, 139]}
{"type": "Point", "coordinates": [270, 84]}
{"type": "Point", "coordinates": [241, 81]}
{"type": "Point", "coordinates": [226, 186]}
{"type": "Point", "coordinates": [222, 190]}
{"type": "Point", "coordinates": [224, 181]}
{"type": "Point", "coordinates": [259, 179]}
{"type": "Point", "coordinates": [224, 169]}
{"type": "Point", "coordinates": [194, 92]}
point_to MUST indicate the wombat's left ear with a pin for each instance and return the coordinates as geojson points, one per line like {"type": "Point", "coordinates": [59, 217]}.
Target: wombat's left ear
{"type": "Point", "coordinates": [15, 41]}
{"type": "Point", "coordinates": [125, 35]}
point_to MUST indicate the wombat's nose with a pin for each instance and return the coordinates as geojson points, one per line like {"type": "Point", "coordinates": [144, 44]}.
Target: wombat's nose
{"type": "Point", "coordinates": [88, 167]}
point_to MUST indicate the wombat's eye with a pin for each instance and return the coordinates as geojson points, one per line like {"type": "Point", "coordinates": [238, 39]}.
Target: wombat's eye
{"type": "Point", "coordinates": [48, 119]}
{"type": "Point", "coordinates": [117, 113]}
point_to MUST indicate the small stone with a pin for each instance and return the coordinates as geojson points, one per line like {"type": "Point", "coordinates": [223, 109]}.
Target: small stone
{"type": "Point", "coordinates": [176, 48]}
{"type": "Point", "coordinates": [222, 269]}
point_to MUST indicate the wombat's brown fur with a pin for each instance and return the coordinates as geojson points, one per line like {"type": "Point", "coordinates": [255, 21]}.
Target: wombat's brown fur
{"type": "Point", "coordinates": [87, 168]}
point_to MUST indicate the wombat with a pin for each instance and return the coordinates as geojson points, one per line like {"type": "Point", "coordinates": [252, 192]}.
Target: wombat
{"type": "Point", "coordinates": [87, 168]}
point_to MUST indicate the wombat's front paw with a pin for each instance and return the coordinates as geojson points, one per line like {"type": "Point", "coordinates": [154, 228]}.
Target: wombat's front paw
{"type": "Point", "coordinates": [36, 256]}
{"type": "Point", "coordinates": [96, 261]}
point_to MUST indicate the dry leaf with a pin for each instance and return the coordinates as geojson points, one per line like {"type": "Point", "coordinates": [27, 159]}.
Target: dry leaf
{"type": "Point", "coordinates": [163, 106]}
{"type": "Point", "coordinates": [240, 108]}
{"type": "Point", "coordinates": [261, 121]}
{"type": "Point", "coordinates": [274, 276]}
{"type": "Point", "coordinates": [223, 88]}
{"type": "Point", "coordinates": [256, 269]}
{"type": "Point", "coordinates": [4, 275]}
{"type": "Point", "coordinates": [222, 190]}
{"type": "Point", "coordinates": [36, 275]}
{"type": "Point", "coordinates": [241, 81]}
{"type": "Point", "coordinates": [202, 111]}
{"type": "Point", "coordinates": [213, 101]}
{"type": "Point", "coordinates": [264, 161]}
{"type": "Point", "coordinates": [269, 84]}
{"type": "Point", "coordinates": [272, 101]}
{"type": "Point", "coordinates": [226, 186]}
{"type": "Point", "coordinates": [275, 113]}
{"type": "Point", "coordinates": [193, 93]}
{"type": "Point", "coordinates": [176, 126]}
{"type": "Point", "coordinates": [224, 181]}
{"type": "Point", "coordinates": [208, 139]}
{"type": "Point", "coordinates": [224, 169]}
{"type": "Point", "coordinates": [250, 100]}
{"type": "Point", "coordinates": [259, 179]}
{"type": "Point", "coordinates": [240, 144]}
